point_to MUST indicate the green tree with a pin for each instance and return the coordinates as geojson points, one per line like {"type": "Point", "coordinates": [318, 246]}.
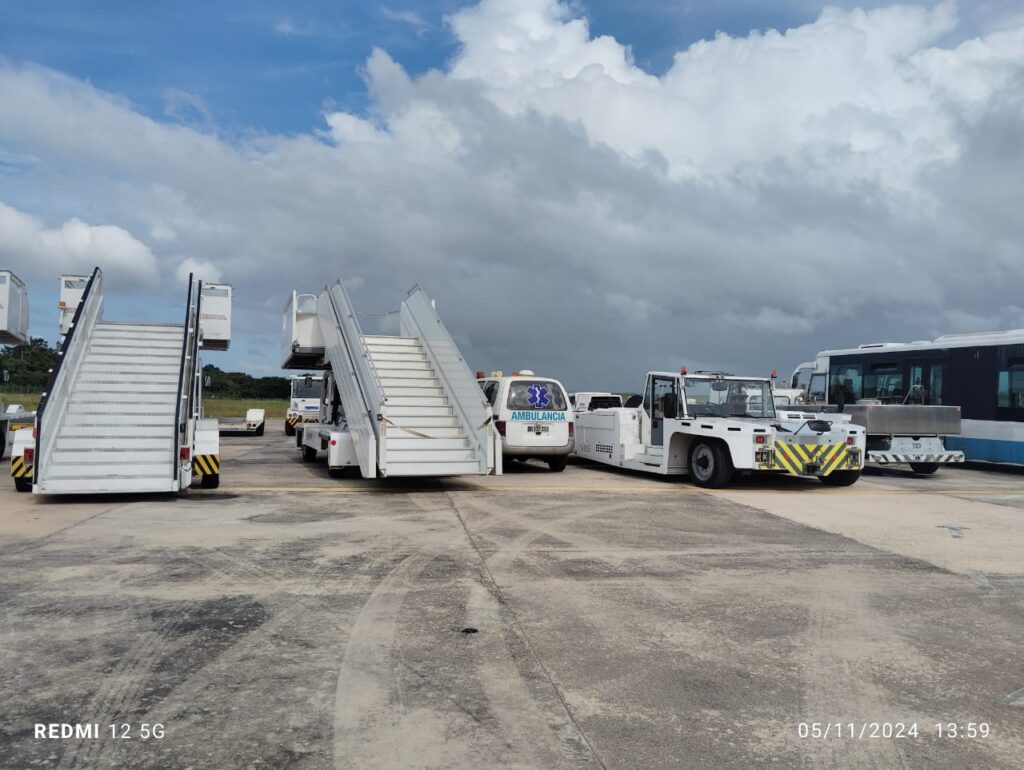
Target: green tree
{"type": "Point", "coordinates": [28, 365]}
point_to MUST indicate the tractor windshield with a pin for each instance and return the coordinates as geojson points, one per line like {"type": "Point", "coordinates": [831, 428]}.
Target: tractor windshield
{"type": "Point", "coordinates": [728, 398]}
{"type": "Point", "coordinates": [306, 388]}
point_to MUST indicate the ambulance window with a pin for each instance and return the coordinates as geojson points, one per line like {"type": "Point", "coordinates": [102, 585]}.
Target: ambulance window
{"type": "Point", "coordinates": [491, 392]}
{"type": "Point", "coordinates": [537, 395]}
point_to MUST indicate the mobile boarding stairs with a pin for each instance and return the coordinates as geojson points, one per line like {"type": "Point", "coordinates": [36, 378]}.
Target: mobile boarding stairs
{"type": "Point", "coordinates": [122, 410]}
{"type": "Point", "coordinates": [410, 406]}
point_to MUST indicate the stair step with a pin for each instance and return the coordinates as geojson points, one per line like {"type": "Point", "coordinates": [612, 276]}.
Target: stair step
{"type": "Point", "coordinates": [117, 418]}
{"type": "Point", "coordinates": [432, 431]}
{"type": "Point", "coordinates": [393, 342]}
{"type": "Point", "coordinates": [389, 354]}
{"type": "Point", "coordinates": [114, 460]}
{"type": "Point", "coordinates": [93, 470]}
{"type": "Point", "coordinates": [403, 369]}
{"type": "Point", "coordinates": [102, 484]}
{"type": "Point", "coordinates": [387, 381]}
{"type": "Point", "coordinates": [126, 443]}
{"type": "Point", "coordinates": [441, 400]}
{"type": "Point", "coordinates": [425, 391]}
{"type": "Point", "coordinates": [135, 359]}
{"type": "Point", "coordinates": [432, 469]}
{"type": "Point", "coordinates": [107, 344]}
{"type": "Point", "coordinates": [402, 456]}
{"type": "Point", "coordinates": [425, 423]}
{"type": "Point", "coordinates": [119, 407]}
{"type": "Point", "coordinates": [161, 432]}
{"type": "Point", "coordinates": [122, 389]}
{"type": "Point", "coordinates": [105, 333]}
{"type": "Point", "coordinates": [124, 326]}
{"type": "Point", "coordinates": [418, 411]}
{"type": "Point", "coordinates": [399, 440]}
{"type": "Point", "coordinates": [125, 400]}
{"type": "Point", "coordinates": [91, 375]}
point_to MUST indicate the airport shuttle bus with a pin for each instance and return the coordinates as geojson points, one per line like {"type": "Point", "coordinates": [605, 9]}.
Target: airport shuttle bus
{"type": "Point", "coordinates": [983, 374]}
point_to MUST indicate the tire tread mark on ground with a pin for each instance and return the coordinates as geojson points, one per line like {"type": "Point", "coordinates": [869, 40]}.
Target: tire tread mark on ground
{"type": "Point", "coordinates": [517, 625]}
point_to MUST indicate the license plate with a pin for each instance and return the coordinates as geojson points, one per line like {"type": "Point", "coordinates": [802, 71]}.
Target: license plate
{"type": "Point", "coordinates": [538, 429]}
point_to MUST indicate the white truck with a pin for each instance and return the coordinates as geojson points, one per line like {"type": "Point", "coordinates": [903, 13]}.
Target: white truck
{"type": "Point", "coordinates": [901, 429]}
{"type": "Point", "coordinates": [254, 422]}
{"type": "Point", "coordinates": [711, 425]}
{"type": "Point", "coordinates": [304, 404]}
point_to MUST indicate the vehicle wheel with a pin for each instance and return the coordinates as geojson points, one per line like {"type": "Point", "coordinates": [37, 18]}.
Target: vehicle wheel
{"type": "Point", "coordinates": [3, 439]}
{"type": "Point", "coordinates": [210, 481]}
{"type": "Point", "coordinates": [557, 464]}
{"type": "Point", "coordinates": [840, 478]}
{"type": "Point", "coordinates": [259, 430]}
{"type": "Point", "coordinates": [710, 465]}
{"type": "Point", "coordinates": [308, 454]}
{"type": "Point", "coordinates": [298, 438]}
{"type": "Point", "coordinates": [289, 429]}
{"type": "Point", "coordinates": [337, 473]}
{"type": "Point", "coordinates": [23, 484]}
{"type": "Point", "coordinates": [925, 469]}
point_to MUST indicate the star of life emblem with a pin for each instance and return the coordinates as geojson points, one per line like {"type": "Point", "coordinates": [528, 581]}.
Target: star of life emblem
{"type": "Point", "coordinates": [538, 395]}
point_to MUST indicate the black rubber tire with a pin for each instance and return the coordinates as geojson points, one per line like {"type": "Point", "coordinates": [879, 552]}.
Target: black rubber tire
{"type": "Point", "coordinates": [210, 481]}
{"type": "Point", "coordinates": [298, 438]}
{"type": "Point", "coordinates": [308, 454]}
{"type": "Point", "coordinates": [339, 472]}
{"type": "Point", "coordinates": [259, 430]}
{"type": "Point", "coordinates": [23, 484]}
{"type": "Point", "coordinates": [924, 469]}
{"type": "Point", "coordinates": [557, 464]}
{"type": "Point", "coordinates": [710, 465]}
{"type": "Point", "coordinates": [3, 438]}
{"type": "Point", "coordinates": [840, 478]}
{"type": "Point", "coordinates": [289, 429]}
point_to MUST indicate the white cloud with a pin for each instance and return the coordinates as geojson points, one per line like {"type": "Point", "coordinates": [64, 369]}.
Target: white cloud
{"type": "Point", "coordinates": [767, 196]}
{"type": "Point", "coordinates": [74, 247]}
{"type": "Point", "coordinates": [203, 271]}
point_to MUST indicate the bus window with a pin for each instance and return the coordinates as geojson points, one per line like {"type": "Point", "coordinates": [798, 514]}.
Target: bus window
{"type": "Point", "coordinates": [884, 382]}
{"type": "Point", "coordinates": [845, 383]}
{"type": "Point", "coordinates": [1011, 387]}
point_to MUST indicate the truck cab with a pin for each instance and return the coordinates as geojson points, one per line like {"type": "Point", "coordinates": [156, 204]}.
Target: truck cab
{"type": "Point", "coordinates": [304, 402]}
{"type": "Point", "coordinates": [532, 415]}
{"type": "Point", "coordinates": [710, 425]}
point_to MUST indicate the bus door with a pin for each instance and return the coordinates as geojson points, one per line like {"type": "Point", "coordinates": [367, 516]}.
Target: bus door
{"type": "Point", "coordinates": [926, 380]}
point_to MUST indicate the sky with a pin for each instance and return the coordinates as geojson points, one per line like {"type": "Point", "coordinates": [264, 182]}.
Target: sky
{"type": "Point", "coordinates": [591, 188]}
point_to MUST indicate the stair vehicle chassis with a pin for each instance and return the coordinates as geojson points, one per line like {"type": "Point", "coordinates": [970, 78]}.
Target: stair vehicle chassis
{"type": "Point", "coordinates": [711, 426]}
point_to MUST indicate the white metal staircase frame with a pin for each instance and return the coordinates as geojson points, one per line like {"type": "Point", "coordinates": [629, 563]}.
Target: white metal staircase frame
{"type": "Point", "coordinates": [54, 401]}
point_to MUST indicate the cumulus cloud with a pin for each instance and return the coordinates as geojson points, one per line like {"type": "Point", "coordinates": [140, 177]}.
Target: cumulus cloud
{"type": "Point", "coordinates": [854, 178]}
{"type": "Point", "coordinates": [203, 271]}
{"type": "Point", "coordinates": [74, 247]}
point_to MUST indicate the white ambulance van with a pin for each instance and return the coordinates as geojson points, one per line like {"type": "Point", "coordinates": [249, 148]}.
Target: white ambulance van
{"type": "Point", "coordinates": [532, 415]}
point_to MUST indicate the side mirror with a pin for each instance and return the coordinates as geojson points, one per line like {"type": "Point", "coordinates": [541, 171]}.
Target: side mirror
{"type": "Point", "coordinates": [671, 409]}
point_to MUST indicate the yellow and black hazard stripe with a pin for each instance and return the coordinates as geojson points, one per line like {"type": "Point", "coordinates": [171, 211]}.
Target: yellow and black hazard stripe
{"type": "Point", "coordinates": [794, 458]}
{"type": "Point", "coordinates": [208, 465]}
{"type": "Point", "coordinates": [292, 419]}
{"type": "Point", "coordinates": [19, 469]}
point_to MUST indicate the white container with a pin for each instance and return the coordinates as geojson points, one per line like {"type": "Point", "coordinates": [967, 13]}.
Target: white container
{"type": "Point", "coordinates": [302, 344]}
{"type": "Point", "coordinates": [72, 287]}
{"type": "Point", "coordinates": [13, 309]}
{"type": "Point", "coordinates": [215, 316]}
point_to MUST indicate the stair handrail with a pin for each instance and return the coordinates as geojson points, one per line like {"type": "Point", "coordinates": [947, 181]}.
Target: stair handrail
{"type": "Point", "coordinates": [58, 383]}
{"type": "Point", "coordinates": [185, 374]}
{"type": "Point", "coordinates": [358, 368]}
{"type": "Point", "coordinates": [419, 319]}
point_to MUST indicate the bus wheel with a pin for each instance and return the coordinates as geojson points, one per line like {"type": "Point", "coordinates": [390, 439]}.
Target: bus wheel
{"type": "Point", "coordinates": [308, 454]}
{"type": "Point", "coordinates": [210, 481]}
{"type": "Point", "coordinates": [289, 429]}
{"type": "Point", "coordinates": [924, 469]}
{"type": "Point", "coordinates": [840, 478]}
{"type": "Point", "coordinates": [710, 465]}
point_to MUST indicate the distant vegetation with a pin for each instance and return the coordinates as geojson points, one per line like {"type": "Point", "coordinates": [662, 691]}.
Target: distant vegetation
{"type": "Point", "coordinates": [28, 368]}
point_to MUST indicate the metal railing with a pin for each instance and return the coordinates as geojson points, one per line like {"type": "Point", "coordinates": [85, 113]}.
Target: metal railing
{"type": "Point", "coordinates": [62, 375]}
{"type": "Point", "coordinates": [355, 375]}
{"type": "Point", "coordinates": [420, 319]}
{"type": "Point", "coordinates": [188, 373]}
